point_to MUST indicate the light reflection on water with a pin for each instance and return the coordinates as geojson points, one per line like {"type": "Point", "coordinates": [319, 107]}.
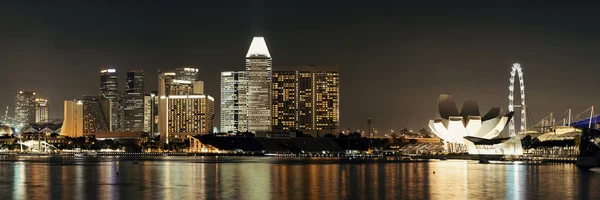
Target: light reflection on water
{"type": "Point", "coordinates": [276, 178]}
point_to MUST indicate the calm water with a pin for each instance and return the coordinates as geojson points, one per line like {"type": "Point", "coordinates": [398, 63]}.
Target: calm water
{"type": "Point", "coordinates": [276, 178]}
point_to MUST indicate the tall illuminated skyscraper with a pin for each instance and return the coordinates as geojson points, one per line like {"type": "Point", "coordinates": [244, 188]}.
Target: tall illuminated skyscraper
{"type": "Point", "coordinates": [258, 67]}
{"type": "Point", "coordinates": [306, 99]}
{"type": "Point", "coordinates": [133, 101]}
{"type": "Point", "coordinates": [183, 109]}
{"type": "Point", "coordinates": [24, 108]}
{"type": "Point", "coordinates": [109, 90]}
{"type": "Point", "coordinates": [41, 110]}
{"type": "Point", "coordinates": [150, 113]}
{"type": "Point", "coordinates": [234, 89]}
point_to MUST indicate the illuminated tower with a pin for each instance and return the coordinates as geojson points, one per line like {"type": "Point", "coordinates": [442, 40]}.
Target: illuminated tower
{"type": "Point", "coordinates": [183, 108]}
{"type": "Point", "coordinates": [24, 108]}
{"type": "Point", "coordinates": [41, 110]}
{"type": "Point", "coordinates": [258, 66]}
{"type": "Point", "coordinates": [109, 90]}
{"type": "Point", "coordinates": [306, 99]}
{"type": "Point", "coordinates": [234, 89]}
{"type": "Point", "coordinates": [133, 101]}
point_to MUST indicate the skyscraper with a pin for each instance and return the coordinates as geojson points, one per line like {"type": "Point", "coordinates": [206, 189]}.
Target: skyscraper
{"type": "Point", "coordinates": [306, 99]}
{"type": "Point", "coordinates": [41, 110]}
{"type": "Point", "coordinates": [258, 66]}
{"type": "Point", "coordinates": [234, 87]}
{"type": "Point", "coordinates": [183, 109]}
{"type": "Point", "coordinates": [133, 102]}
{"type": "Point", "coordinates": [109, 90]}
{"type": "Point", "coordinates": [24, 108]}
{"type": "Point", "coordinates": [150, 113]}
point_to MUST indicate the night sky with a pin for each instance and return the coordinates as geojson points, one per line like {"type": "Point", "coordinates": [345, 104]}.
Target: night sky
{"type": "Point", "coordinates": [395, 58]}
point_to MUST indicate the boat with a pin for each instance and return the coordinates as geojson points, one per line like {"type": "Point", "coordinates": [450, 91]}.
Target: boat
{"type": "Point", "coordinates": [484, 161]}
{"type": "Point", "coordinates": [79, 155]}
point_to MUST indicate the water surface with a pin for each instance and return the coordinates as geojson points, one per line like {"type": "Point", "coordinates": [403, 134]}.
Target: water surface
{"type": "Point", "coordinates": [279, 178]}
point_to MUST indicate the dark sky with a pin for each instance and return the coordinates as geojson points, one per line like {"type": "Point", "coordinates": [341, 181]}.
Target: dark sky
{"type": "Point", "coordinates": [395, 58]}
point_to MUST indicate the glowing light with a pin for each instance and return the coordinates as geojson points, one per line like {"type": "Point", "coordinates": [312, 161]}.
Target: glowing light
{"type": "Point", "coordinates": [258, 47]}
{"type": "Point", "coordinates": [169, 74]}
{"type": "Point", "coordinates": [226, 73]}
{"type": "Point", "coordinates": [182, 81]}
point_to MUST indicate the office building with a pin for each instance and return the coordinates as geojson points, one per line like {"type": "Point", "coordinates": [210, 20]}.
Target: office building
{"type": "Point", "coordinates": [188, 115]}
{"type": "Point", "coordinates": [41, 110]}
{"type": "Point", "coordinates": [258, 99]}
{"type": "Point", "coordinates": [234, 87]}
{"type": "Point", "coordinates": [133, 102]}
{"type": "Point", "coordinates": [84, 117]}
{"type": "Point", "coordinates": [151, 113]}
{"type": "Point", "coordinates": [306, 99]}
{"type": "Point", "coordinates": [109, 90]}
{"type": "Point", "coordinates": [24, 108]}
{"type": "Point", "coordinates": [183, 108]}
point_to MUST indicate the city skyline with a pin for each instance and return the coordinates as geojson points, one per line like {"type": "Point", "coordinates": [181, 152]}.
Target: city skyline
{"type": "Point", "coordinates": [415, 58]}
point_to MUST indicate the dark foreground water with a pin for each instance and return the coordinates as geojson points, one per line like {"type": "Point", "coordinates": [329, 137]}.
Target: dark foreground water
{"type": "Point", "coordinates": [277, 178]}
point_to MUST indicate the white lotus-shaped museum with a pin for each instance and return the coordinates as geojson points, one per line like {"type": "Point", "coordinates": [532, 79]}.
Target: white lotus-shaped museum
{"type": "Point", "coordinates": [468, 128]}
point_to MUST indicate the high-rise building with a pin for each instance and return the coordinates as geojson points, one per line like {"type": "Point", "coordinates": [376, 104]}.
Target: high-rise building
{"type": "Point", "coordinates": [133, 102]}
{"type": "Point", "coordinates": [41, 110]}
{"type": "Point", "coordinates": [189, 115]}
{"type": "Point", "coordinates": [109, 90]}
{"type": "Point", "coordinates": [83, 117]}
{"type": "Point", "coordinates": [183, 109]}
{"type": "Point", "coordinates": [258, 66]}
{"type": "Point", "coordinates": [177, 82]}
{"type": "Point", "coordinates": [24, 108]}
{"type": "Point", "coordinates": [306, 99]}
{"type": "Point", "coordinates": [150, 113]}
{"type": "Point", "coordinates": [234, 87]}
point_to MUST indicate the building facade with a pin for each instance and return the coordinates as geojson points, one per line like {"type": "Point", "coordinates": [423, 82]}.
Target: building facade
{"type": "Point", "coordinates": [183, 108]}
{"type": "Point", "coordinates": [234, 89]}
{"type": "Point", "coordinates": [133, 102]}
{"type": "Point", "coordinates": [24, 108]}
{"type": "Point", "coordinates": [83, 117]}
{"type": "Point", "coordinates": [41, 110]}
{"type": "Point", "coordinates": [109, 90]}
{"type": "Point", "coordinates": [151, 113]}
{"type": "Point", "coordinates": [306, 99]}
{"type": "Point", "coordinates": [189, 115]}
{"type": "Point", "coordinates": [258, 99]}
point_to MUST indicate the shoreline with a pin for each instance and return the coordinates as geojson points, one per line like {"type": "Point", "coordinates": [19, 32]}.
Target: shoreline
{"type": "Point", "coordinates": [339, 156]}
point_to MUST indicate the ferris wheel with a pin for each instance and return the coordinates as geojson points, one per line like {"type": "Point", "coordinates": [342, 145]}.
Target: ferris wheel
{"type": "Point", "coordinates": [517, 70]}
